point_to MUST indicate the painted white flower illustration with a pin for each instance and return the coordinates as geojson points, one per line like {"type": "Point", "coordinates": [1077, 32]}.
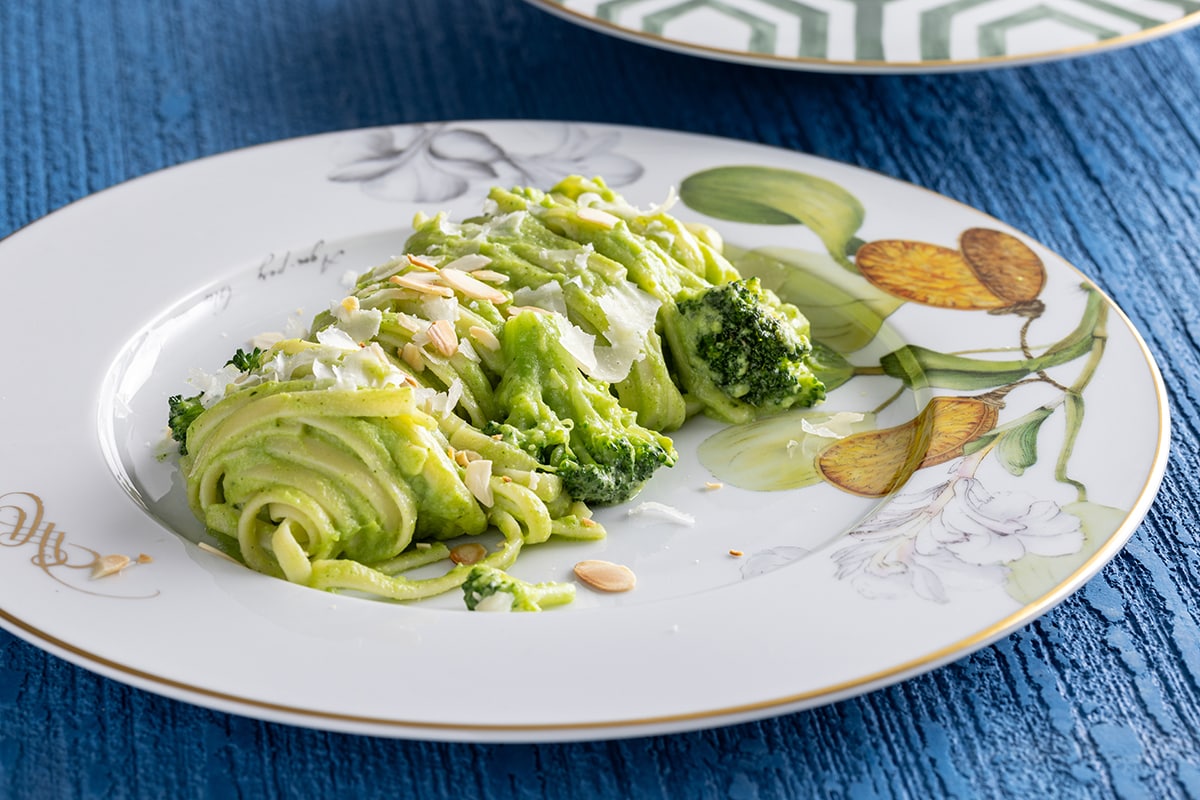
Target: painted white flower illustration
{"type": "Point", "coordinates": [438, 162]}
{"type": "Point", "coordinates": [956, 534]}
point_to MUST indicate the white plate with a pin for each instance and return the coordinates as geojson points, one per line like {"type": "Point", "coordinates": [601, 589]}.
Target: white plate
{"type": "Point", "coordinates": [110, 302]}
{"type": "Point", "coordinates": [880, 35]}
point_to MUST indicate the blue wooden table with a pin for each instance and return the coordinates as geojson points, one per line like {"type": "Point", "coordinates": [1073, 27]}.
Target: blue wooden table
{"type": "Point", "coordinates": [1098, 158]}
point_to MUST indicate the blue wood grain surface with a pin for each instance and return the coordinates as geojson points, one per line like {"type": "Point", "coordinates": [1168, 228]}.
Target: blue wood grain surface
{"type": "Point", "coordinates": [1098, 158]}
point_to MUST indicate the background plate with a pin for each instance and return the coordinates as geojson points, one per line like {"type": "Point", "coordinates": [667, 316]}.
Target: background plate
{"type": "Point", "coordinates": [881, 35]}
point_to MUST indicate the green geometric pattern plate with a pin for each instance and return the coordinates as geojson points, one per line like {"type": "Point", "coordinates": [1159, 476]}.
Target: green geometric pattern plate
{"type": "Point", "coordinates": [882, 35]}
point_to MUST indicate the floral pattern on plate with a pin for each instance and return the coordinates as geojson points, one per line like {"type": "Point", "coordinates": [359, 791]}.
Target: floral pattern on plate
{"type": "Point", "coordinates": [434, 163]}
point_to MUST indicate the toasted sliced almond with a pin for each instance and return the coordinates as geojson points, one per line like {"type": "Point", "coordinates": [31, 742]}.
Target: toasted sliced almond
{"type": "Point", "coordinates": [144, 559]}
{"type": "Point", "coordinates": [109, 565]}
{"type": "Point", "coordinates": [423, 282]}
{"type": "Point", "coordinates": [712, 485]}
{"type": "Point", "coordinates": [605, 575]}
{"type": "Point", "coordinates": [412, 356]}
{"type": "Point", "coordinates": [484, 337]}
{"type": "Point", "coordinates": [599, 217]}
{"type": "Point", "coordinates": [470, 553]}
{"type": "Point", "coordinates": [208, 548]}
{"type": "Point", "coordinates": [489, 275]}
{"type": "Point", "coordinates": [444, 339]}
{"type": "Point", "coordinates": [409, 322]}
{"type": "Point", "coordinates": [514, 310]}
{"type": "Point", "coordinates": [465, 457]}
{"type": "Point", "coordinates": [471, 287]}
{"type": "Point", "coordinates": [736, 553]}
{"type": "Point", "coordinates": [419, 263]}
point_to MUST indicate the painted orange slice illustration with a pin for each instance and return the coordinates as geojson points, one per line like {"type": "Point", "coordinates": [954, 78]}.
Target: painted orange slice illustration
{"type": "Point", "coordinates": [925, 273]}
{"type": "Point", "coordinates": [1004, 264]}
{"type": "Point", "coordinates": [876, 463]}
{"type": "Point", "coordinates": [993, 271]}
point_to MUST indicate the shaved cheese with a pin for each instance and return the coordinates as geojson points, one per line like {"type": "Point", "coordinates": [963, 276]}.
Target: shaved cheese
{"type": "Point", "coordinates": [548, 296]}
{"type": "Point", "coordinates": [478, 476]}
{"type": "Point", "coordinates": [360, 324]}
{"type": "Point", "coordinates": [580, 344]}
{"type": "Point", "coordinates": [467, 350]}
{"type": "Point", "coordinates": [336, 338]}
{"type": "Point", "coordinates": [439, 308]}
{"type": "Point", "coordinates": [669, 513]}
{"type": "Point", "coordinates": [500, 601]}
{"type": "Point", "coordinates": [568, 259]}
{"type": "Point", "coordinates": [212, 385]}
{"type": "Point", "coordinates": [469, 262]}
{"type": "Point", "coordinates": [665, 206]}
{"type": "Point", "coordinates": [631, 315]}
{"type": "Point", "coordinates": [589, 199]}
{"type": "Point", "coordinates": [266, 340]}
{"type": "Point", "coordinates": [505, 225]}
{"type": "Point", "coordinates": [837, 426]}
{"type": "Point", "coordinates": [388, 269]}
{"type": "Point", "coordinates": [443, 403]}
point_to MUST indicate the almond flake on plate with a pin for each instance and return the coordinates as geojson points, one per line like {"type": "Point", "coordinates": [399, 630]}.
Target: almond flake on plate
{"type": "Point", "coordinates": [605, 575]}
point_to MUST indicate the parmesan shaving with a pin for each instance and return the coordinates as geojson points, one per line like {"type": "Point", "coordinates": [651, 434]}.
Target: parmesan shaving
{"type": "Point", "coordinates": [469, 262]}
{"type": "Point", "coordinates": [666, 512]}
{"type": "Point", "coordinates": [548, 296]}
{"type": "Point", "coordinates": [436, 308]}
{"type": "Point", "coordinates": [478, 477]}
{"type": "Point", "coordinates": [665, 206]}
{"type": "Point", "coordinates": [499, 601]}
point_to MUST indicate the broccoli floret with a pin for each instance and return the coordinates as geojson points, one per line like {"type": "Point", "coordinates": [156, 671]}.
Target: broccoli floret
{"type": "Point", "coordinates": [182, 411]}
{"type": "Point", "coordinates": [484, 582]}
{"type": "Point", "coordinates": [572, 424]}
{"type": "Point", "coordinates": [745, 352]}
{"type": "Point", "coordinates": [752, 359]}
{"type": "Point", "coordinates": [246, 362]}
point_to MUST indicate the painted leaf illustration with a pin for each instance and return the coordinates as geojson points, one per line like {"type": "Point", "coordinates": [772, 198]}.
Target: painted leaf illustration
{"type": "Point", "coordinates": [846, 311]}
{"type": "Point", "coordinates": [1016, 443]}
{"type": "Point", "coordinates": [770, 196]}
{"type": "Point", "coordinates": [829, 366]}
{"type": "Point", "coordinates": [876, 463]}
{"type": "Point", "coordinates": [1033, 575]}
{"type": "Point", "coordinates": [964, 373]}
{"type": "Point", "coordinates": [778, 452]}
{"type": "Point", "coordinates": [460, 144]}
{"type": "Point", "coordinates": [948, 371]}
